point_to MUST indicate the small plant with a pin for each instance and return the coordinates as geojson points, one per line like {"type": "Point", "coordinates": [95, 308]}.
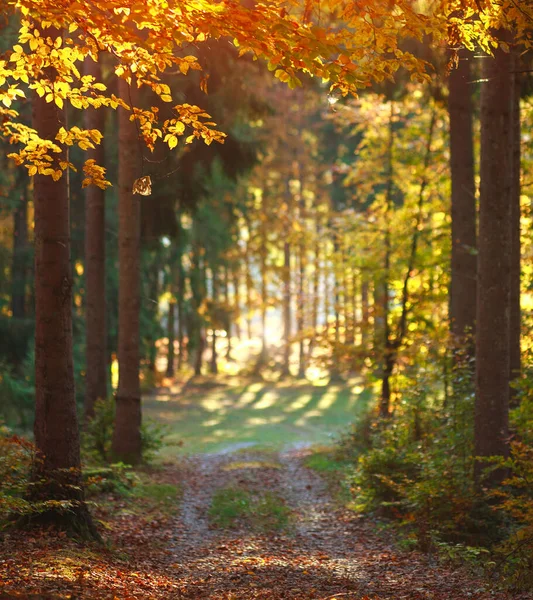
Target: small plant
{"type": "Point", "coordinates": [98, 435]}
{"type": "Point", "coordinates": [265, 512]}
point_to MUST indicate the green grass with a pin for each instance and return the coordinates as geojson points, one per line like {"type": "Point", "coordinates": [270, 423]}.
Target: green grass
{"type": "Point", "coordinates": [257, 414]}
{"type": "Point", "coordinates": [263, 512]}
{"type": "Point", "coordinates": [334, 470]}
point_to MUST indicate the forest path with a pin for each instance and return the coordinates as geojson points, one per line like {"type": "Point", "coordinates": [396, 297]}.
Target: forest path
{"type": "Point", "coordinates": [324, 552]}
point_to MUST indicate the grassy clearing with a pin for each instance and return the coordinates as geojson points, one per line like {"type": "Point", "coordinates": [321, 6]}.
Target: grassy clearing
{"type": "Point", "coordinates": [207, 419]}
{"type": "Point", "coordinates": [334, 470]}
{"type": "Point", "coordinates": [233, 506]}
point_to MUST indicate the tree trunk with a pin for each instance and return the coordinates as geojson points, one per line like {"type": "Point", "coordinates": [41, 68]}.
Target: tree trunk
{"type": "Point", "coordinates": [127, 435]}
{"type": "Point", "coordinates": [248, 277]}
{"type": "Point", "coordinates": [215, 303]}
{"type": "Point", "coordinates": [493, 299]}
{"type": "Point", "coordinates": [171, 327]}
{"type": "Point", "coordinates": [57, 470]}
{"type": "Point", "coordinates": [228, 312]}
{"type": "Point", "coordinates": [463, 260]}
{"type": "Point", "coordinates": [237, 299]}
{"type": "Point", "coordinates": [95, 293]}
{"type": "Point", "coordinates": [365, 313]}
{"type": "Point", "coordinates": [515, 270]}
{"type": "Point", "coordinates": [181, 316]}
{"type": "Point", "coordinates": [287, 313]}
{"type": "Point", "coordinates": [19, 268]}
{"type": "Point", "coordinates": [388, 359]}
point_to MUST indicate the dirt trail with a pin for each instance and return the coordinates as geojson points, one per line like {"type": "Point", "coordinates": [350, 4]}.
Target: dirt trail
{"type": "Point", "coordinates": [327, 553]}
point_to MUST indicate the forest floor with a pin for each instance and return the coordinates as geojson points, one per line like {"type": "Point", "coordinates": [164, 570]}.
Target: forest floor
{"type": "Point", "coordinates": [234, 524]}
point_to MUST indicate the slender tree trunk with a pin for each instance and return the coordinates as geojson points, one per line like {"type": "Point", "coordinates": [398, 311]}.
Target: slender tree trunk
{"type": "Point", "coordinates": [365, 313]}
{"type": "Point", "coordinates": [237, 300]}
{"type": "Point", "coordinates": [19, 268]}
{"type": "Point", "coordinates": [95, 293]}
{"type": "Point", "coordinates": [464, 260]}
{"type": "Point", "coordinates": [214, 355]}
{"type": "Point", "coordinates": [287, 313]}
{"type": "Point", "coordinates": [264, 293]}
{"type": "Point", "coordinates": [388, 358]}
{"type": "Point", "coordinates": [57, 470]}
{"type": "Point", "coordinates": [228, 311]}
{"type": "Point", "coordinates": [493, 299]}
{"type": "Point", "coordinates": [181, 315]}
{"type": "Point", "coordinates": [248, 278]}
{"type": "Point", "coordinates": [515, 271]}
{"type": "Point", "coordinates": [316, 288]}
{"type": "Point", "coordinates": [127, 434]}
{"type": "Point", "coordinates": [171, 336]}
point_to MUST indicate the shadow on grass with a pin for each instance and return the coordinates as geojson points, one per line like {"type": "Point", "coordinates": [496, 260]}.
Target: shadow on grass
{"type": "Point", "coordinates": [260, 414]}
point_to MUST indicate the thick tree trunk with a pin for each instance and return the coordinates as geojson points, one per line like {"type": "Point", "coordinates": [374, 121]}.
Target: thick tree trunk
{"type": "Point", "coordinates": [57, 470]}
{"type": "Point", "coordinates": [127, 435]}
{"type": "Point", "coordinates": [464, 260]}
{"type": "Point", "coordinates": [19, 268]}
{"type": "Point", "coordinates": [515, 270]}
{"type": "Point", "coordinates": [95, 294]}
{"type": "Point", "coordinates": [493, 299]}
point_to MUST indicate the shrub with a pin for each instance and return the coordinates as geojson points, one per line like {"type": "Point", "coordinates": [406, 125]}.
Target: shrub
{"type": "Point", "coordinates": [98, 435]}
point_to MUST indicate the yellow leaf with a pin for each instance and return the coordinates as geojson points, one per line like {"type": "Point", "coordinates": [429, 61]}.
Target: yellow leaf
{"type": "Point", "coordinates": [172, 142]}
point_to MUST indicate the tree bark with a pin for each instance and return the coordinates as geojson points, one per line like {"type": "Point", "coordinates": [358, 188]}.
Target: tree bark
{"type": "Point", "coordinates": [515, 270]}
{"type": "Point", "coordinates": [126, 443]}
{"type": "Point", "coordinates": [57, 469]}
{"type": "Point", "coordinates": [19, 266]}
{"type": "Point", "coordinates": [463, 259]}
{"type": "Point", "coordinates": [493, 299]}
{"type": "Point", "coordinates": [171, 327]}
{"type": "Point", "coordinates": [95, 293]}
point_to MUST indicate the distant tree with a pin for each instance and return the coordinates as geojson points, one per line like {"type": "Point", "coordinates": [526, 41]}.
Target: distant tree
{"type": "Point", "coordinates": [127, 433]}
{"type": "Point", "coordinates": [95, 272]}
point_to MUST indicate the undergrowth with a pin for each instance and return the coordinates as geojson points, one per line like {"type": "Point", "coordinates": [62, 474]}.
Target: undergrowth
{"type": "Point", "coordinates": [415, 469]}
{"type": "Point", "coordinates": [231, 506]}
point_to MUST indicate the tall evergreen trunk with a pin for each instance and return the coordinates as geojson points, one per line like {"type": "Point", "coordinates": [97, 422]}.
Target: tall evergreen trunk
{"type": "Point", "coordinates": [463, 259]}
{"type": "Point", "coordinates": [197, 339]}
{"type": "Point", "coordinates": [301, 312]}
{"type": "Point", "coordinates": [237, 299]}
{"type": "Point", "coordinates": [316, 287]}
{"type": "Point", "coordinates": [57, 469]}
{"type": "Point", "coordinates": [214, 355]}
{"type": "Point", "coordinates": [301, 281]}
{"type": "Point", "coordinates": [248, 281]}
{"type": "Point", "coordinates": [515, 270]}
{"type": "Point", "coordinates": [365, 312]}
{"type": "Point", "coordinates": [264, 293]}
{"type": "Point", "coordinates": [388, 351]}
{"type": "Point", "coordinates": [228, 312]}
{"type": "Point", "coordinates": [287, 312]}
{"type": "Point", "coordinates": [494, 246]}
{"type": "Point", "coordinates": [171, 327]}
{"type": "Point", "coordinates": [95, 293]}
{"type": "Point", "coordinates": [19, 265]}
{"type": "Point", "coordinates": [126, 443]}
{"type": "Point", "coordinates": [181, 312]}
